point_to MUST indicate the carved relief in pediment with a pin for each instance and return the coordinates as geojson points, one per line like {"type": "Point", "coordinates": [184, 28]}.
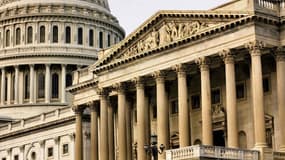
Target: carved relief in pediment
{"type": "Point", "coordinates": [167, 33]}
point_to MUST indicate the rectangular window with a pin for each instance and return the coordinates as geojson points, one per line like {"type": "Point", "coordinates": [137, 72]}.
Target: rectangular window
{"type": "Point", "coordinates": [91, 38]}
{"type": "Point", "coordinates": [80, 36]}
{"type": "Point", "coordinates": [266, 84]}
{"type": "Point", "coordinates": [195, 101]}
{"type": "Point", "coordinates": [216, 96]}
{"type": "Point", "coordinates": [240, 91]}
{"type": "Point", "coordinates": [16, 157]}
{"type": "Point", "coordinates": [174, 107]}
{"type": "Point", "coordinates": [101, 40]}
{"type": "Point", "coordinates": [50, 152]}
{"type": "Point", "coordinates": [65, 149]}
{"type": "Point", "coordinates": [154, 112]}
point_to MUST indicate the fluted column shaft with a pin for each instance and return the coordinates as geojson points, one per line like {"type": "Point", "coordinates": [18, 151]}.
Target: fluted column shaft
{"type": "Point", "coordinates": [122, 134]}
{"type": "Point", "coordinates": [78, 134]}
{"type": "Point", "coordinates": [63, 83]}
{"type": "Point", "coordinates": [94, 132]}
{"type": "Point", "coordinates": [183, 118]}
{"type": "Point", "coordinates": [32, 76]}
{"type": "Point", "coordinates": [104, 146]}
{"type": "Point", "coordinates": [9, 88]}
{"type": "Point", "coordinates": [3, 89]}
{"type": "Point", "coordinates": [47, 84]}
{"type": "Point", "coordinates": [232, 125]}
{"type": "Point", "coordinates": [16, 84]}
{"type": "Point", "coordinates": [111, 132]}
{"type": "Point", "coordinates": [162, 113]}
{"type": "Point", "coordinates": [280, 69]}
{"type": "Point", "coordinates": [257, 96]}
{"type": "Point", "coordinates": [141, 121]}
{"type": "Point", "coordinates": [207, 128]}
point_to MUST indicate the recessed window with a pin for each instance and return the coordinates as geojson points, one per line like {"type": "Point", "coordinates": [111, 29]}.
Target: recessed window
{"type": "Point", "coordinates": [55, 85]}
{"type": "Point", "coordinates": [91, 37]}
{"type": "Point", "coordinates": [50, 152]}
{"type": "Point", "coordinates": [42, 34]}
{"type": "Point", "coordinates": [195, 101]}
{"type": "Point", "coordinates": [80, 36]}
{"type": "Point", "coordinates": [68, 80]}
{"type": "Point", "coordinates": [154, 112]}
{"type": "Point", "coordinates": [65, 149]}
{"type": "Point", "coordinates": [27, 86]}
{"type": "Point", "coordinates": [18, 36]}
{"type": "Point", "coordinates": [216, 96]}
{"type": "Point", "coordinates": [16, 157]}
{"type": "Point", "coordinates": [55, 34]}
{"type": "Point", "coordinates": [109, 40]}
{"type": "Point", "coordinates": [67, 35]}
{"type": "Point", "coordinates": [30, 35]}
{"type": "Point", "coordinates": [7, 38]}
{"type": "Point", "coordinates": [266, 85]}
{"type": "Point", "coordinates": [3, 158]}
{"type": "Point", "coordinates": [41, 85]}
{"type": "Point", "coordinates": [240, 91]}
{"type": "Point", "coordinates": [101, 40]}
{"type": "Point", "coordinates": [33, 156]}
{"type": "Point", "coordinates": [174, 107]}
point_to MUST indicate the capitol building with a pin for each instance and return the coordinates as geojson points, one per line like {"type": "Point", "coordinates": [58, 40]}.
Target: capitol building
{"type": "Point", "coordinates": [185, 85]}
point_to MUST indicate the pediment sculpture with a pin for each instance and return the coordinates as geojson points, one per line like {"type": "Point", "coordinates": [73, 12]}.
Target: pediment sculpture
{"type": "Point", "coordinates": [167, 33]}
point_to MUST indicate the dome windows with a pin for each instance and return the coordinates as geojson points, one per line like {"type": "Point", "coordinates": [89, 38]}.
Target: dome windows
{"type": "Point", "coordinates": [101, 39]}
{"type": "Point", "coordinates": [80, 36]}
{"type": "Point", "coordinates": [42, 34]}
{"type": "Point", "coordinates": [67, 35]}
{"type": "Point", "coordinates": [18, 36]}
{"type": "Point", "coordinates": [55, 34]}
{"type": "Point", "coordinates": [30, 35]}
{"type": "Point", "coordinates": [91, 37]}
{"type": "Point", "coordinates": [7, 38]}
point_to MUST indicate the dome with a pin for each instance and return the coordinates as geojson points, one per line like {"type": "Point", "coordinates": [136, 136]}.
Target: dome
{"type": "Point", "coordinates": [41, 44]}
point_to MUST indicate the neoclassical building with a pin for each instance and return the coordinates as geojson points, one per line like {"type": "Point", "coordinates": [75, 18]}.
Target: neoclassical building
{"type": "Point", "coordinates": [42, 43]}
{"type": "Point", "coordinates": [203, 84]}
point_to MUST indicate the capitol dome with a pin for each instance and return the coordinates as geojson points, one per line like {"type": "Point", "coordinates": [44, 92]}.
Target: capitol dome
{"type": "Point", "coordinates": [41, 43]}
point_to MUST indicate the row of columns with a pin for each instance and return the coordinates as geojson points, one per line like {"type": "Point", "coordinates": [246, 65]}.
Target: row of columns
{"type": "Point", "coordinates": [255, 49]}
{"type": "Point", "coordinates": [32, 98]}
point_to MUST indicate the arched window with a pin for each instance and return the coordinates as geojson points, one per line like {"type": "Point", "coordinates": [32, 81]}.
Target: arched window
{"type": "Point", "coordinates": [27, 86]}
{"type": "Point", "coordinates": [67, 34]}
{"type": "Point", "coordinates": [18, 36]}
{"type": "Point", "coordinates": [197, 142]}
{"type": "Point", "coordinates": [42, 34]}
{"type": "Point", "coordinates": [91, 37]}
{"type": "Point", "coordinates": [100, 39]}
{"type": "Point", "coordinates": [55, 34]}
{"type": "Point", "coordinates": [55, 85]}
{"type": "Point", "coordinates": [7, 38]}
{"type": "Point", "coordinates": [109, 40]}
{"type": "Point", "coordinates": [242, 140]}
{"type": "Point", "coordinates": [41, 85]}
{"type": "Point", "coordinates": [80, 36]}
{"type": "Point", "coordinates": [68, 80]}
{"type": "Point", "coordinates": [30, 35]}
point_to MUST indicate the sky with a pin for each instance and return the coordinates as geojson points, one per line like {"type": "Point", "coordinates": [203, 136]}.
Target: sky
{"type": "Point", "coordinates": [132, 13]}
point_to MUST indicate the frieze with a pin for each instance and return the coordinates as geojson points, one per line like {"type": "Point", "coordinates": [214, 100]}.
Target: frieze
{"type": "Point", "coordinates": [167, 33]}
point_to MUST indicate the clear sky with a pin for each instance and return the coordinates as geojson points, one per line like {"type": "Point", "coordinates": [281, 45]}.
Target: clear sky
{"type": "Point", "coordinates": [132, 13]}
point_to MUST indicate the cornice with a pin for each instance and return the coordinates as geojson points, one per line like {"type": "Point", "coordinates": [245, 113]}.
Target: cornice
{"type": "Point", "coordinates": [82, 85]}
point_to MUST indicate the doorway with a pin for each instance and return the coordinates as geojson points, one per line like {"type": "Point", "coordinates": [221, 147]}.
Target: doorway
{"type": "Point", "coordinates": [219, 138]}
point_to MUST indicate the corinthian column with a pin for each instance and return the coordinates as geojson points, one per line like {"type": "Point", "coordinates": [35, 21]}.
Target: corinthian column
{"type": "Point", "coordinates": [141, 118]}
{"type": "Point", "coordinates": [183, 114]}
{"type": "Point", "coordinates": [94, 131]}
{"type": "Point", "coordinates": [47, 84]}
{"type": "Point", "coordinates": [232, 125]}
{"type": "Point", "coordinates": [78, 133]}
{"type": "Point", "coordinates": [32, 77]}
{"type": "Point", "coordinates": [257, 93]}
{"type": "Point", "coordinates": [63, 83]}
{"type": "Point", "coordinates": [16, 84]}
{"type": "Point", "coordinates": [3, 90]}
{"type": "Point", "coordinates": [122, 133]}
{"type": "Point", "coordinates": [207, 128]}
{"type": "Point", "coordinates": [280, 69]}
{"type": "Point", "coordinates": [162, 113]}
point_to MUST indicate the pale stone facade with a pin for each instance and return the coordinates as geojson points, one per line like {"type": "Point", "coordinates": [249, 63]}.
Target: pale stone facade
{"type": "Point", "coordinates": [214, 78]}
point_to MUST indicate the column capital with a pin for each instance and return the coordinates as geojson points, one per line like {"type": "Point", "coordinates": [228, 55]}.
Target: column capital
{"type": "Point", "coordinates": [203, 63]}
{"type": "Point", "coordinates": [255, 47]}
{"type": "Point", "coordinates": [120, 87]}
{"type": "Point", "coordinates": [92, 106]}
{"type": "Point", "coordinates": [48, 65]}
{"type": "Point", "coordinates": [78, 109]}
{"type": "Point", "coordinates": [63, 65]}
{"type": "Point", "coordinates": [180, 68]}
{"type": "Point", "coordinates": [16, 66]}
{"type": "Point", "coordinates": [280, 53]}
{"type": "Point", "coordinates": [227, 55]}
{"type": "Point", "coordinates": [139, 81]}
{"type": "Point", "coordinates": [159, 76]}
{"type": "Point", "coordinates": [31, 65]}
{"type": "Point", "coordinates": [102, 91]}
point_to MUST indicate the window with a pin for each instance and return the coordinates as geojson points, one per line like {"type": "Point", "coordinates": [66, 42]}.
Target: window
{"type": "Point", "coordinates": [100, 39]}
{"type": "Point", "coordinates": [242, 140]}
{"type": "Point", "coordinates": [16, 157]}
{"type": "Point", "coordinates": [7, 38]}
{"type": "Point", "coordinates": [266, 85]}
{"type": "Point", "coordinates": [216, 96]}
{"type": "Point", "coordinates": [67, 34]}
{"type": "Point", "coordinates": [13, 87]}
{"type": "Point", "coordinates": [65, 149]}
{"type": "Point", "coordinates": [68, 80]}
{"type": "Point", "coordinates": [3, 158]}
{"type": "Point", "coordinates": [50, 152]}
{"type": "Point", "coordinates": [18, 36]}
{"type": "Point", "coordinates": [27, 86]}
{"type": "Point", "coordinates": [41, 85]}
{"type": "Point", "coordinates": [154, 112]}
{"type": "Point", "coordinates": [240, 91]}
{"type": "Point", "coordinates": [6, 88]}
{"type": "Point", "coordinates": [109, 40]}
{"type": "Point", "coordinates": [55, 34]}
{"type": "Point", "coordinates": [174, 107]}
{"type": "Point", "coordinates": [33, 156]}
{"type": "Point", "coordinates": [42, 34]}
{"type": "Point", "coordinates": [91, 37]}
{"type": "Point", "coordinates": [55, 85]}
{"type": "Point", "coordinates": [195, 101]}
{"type": "Point", "coordinates": [80, 36]}
{"type": "Point", "coordinates": [30, 35]}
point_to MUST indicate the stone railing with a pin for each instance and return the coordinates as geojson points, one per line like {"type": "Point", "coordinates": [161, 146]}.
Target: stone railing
{"type": "Point", "coordinates": [279, 155]}
{"type": "Point", "coordinates": [36, 120]}
{"type": "Point", "coordinates": [271, 4]}
{"type": "Point", "coordinates": [212, 152]}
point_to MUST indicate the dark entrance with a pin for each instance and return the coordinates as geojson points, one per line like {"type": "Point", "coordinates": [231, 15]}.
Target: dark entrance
{"type": "Point", "coordinates": [219, 138]}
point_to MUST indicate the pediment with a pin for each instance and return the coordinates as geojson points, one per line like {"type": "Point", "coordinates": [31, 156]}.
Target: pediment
{"type": "Point", "coordinates": [164, 29]}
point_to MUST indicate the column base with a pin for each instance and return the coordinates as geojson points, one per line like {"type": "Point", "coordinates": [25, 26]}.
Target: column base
{"type": "Point", "coordinates": [265, 153]}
